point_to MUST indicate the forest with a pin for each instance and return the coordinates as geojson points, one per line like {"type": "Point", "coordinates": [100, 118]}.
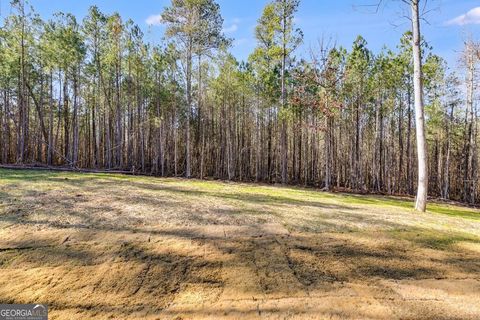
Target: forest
{"type": "Point", "coordinates": [151, 174]}
{"type": "Point", "coordinates": [94, 94]}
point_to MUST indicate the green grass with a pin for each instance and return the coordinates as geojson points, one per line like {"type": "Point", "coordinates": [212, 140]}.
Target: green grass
{"type": "Point", "coordinates": [433, 207]}
{"type": "Point", "coordinates": [461, 212]}
{"type": "Point", "coordinates": [297, 209]}
{"type": "Point", "coordinates": [434, 239]}
{"type": "Point", "coordinates": [236, 192]}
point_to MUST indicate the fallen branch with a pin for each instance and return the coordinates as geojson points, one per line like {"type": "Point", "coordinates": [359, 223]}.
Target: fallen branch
{"type": "Point", "coordinates": [67, 169]}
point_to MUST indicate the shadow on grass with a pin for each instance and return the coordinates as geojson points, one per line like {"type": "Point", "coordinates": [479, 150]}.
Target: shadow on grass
{"type": "Point", "coordinates": [433, 239]}
{"type": "Point", "coordinates": [445, 209]}
{"type": "Point", "coordinates": [123, 275]}
{"type": "Point", "coordinates": [247, 193]}
{"type": "Point", "coordinates": [246, 197]}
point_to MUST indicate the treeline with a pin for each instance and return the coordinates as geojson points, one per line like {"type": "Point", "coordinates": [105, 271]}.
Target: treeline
{"type": "Point", "coordinates": [95, 94]}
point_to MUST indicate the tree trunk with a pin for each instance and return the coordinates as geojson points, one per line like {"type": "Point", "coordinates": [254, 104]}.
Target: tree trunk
{"type": "Point", "coordinates": [421, 201]}
{"type": "Point", "coordinates": [189, 111]}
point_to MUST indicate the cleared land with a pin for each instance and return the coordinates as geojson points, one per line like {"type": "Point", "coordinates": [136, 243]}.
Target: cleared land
{"type": "Point", "coordinates": [95, 246]}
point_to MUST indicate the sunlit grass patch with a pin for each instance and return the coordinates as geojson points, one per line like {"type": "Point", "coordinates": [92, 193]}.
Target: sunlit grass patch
{"type": "Point", "coordinates": [455, 211]}
{"type": "Point", "coordinates": [434, 239]}
{"type": "Point", "coordinates": [408, 204]}
{"type": "Point", "coordinates": [123, 239]}
{"type": "Point", "coordinates": [289, 203]}
{"type": "Point", "coordinates": [377, 200]}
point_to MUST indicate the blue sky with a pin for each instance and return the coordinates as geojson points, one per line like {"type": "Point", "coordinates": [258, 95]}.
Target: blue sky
{"type": "Point", "coordinates": [449, 21]}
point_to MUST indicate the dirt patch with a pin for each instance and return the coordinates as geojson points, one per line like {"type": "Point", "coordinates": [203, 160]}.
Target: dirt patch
{"type": "Point", "coordinates": [179, 252]}
{"type": "Point", "coordinates": [210, 273]}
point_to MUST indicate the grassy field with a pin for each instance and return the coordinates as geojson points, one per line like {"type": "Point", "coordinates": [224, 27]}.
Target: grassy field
{"type": "Point", "coordinates": [98, 246]}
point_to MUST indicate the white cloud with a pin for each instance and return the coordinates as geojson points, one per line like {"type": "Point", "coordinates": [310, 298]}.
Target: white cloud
{"type": "Point", "coordinates": [231, 29]}
{"type": "Point", "coordinates": [240, 42]}
{"type": "Point", "coordinates": [154, 20]}
{"type": "Point", "coordinates": [471, 17]}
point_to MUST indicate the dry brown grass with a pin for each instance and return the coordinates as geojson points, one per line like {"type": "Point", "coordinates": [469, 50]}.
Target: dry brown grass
{"type": "Point", "coordinates": [115, 247]}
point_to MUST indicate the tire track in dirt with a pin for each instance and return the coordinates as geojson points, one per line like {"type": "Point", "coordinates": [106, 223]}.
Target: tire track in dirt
{"type": "Point", "coordinates": [142, 276]}
{"type": "Point", "coordinates": [286, 251]}
{"type": "Point", "coordinates": [25, 248]}
{"type": "Point", "coordinates": [201, 284]}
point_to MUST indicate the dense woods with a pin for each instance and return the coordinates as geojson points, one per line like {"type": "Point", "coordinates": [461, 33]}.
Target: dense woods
{"type": "Point", "coordinates": [95, 94]}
